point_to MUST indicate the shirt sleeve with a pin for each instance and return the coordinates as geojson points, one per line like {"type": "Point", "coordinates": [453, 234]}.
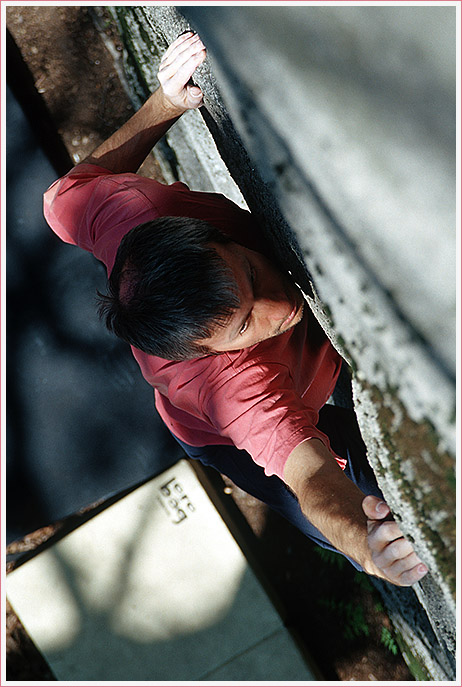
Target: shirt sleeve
{"type": "Point", "coordinates": [92, 208]}
{"type": "Point", "coordinates": [259, 410]}
{"type": "Point", "coordinates": [66, 201]}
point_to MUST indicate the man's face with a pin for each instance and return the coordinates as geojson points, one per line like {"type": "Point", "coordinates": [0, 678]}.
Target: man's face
{"type": "Point", "coordinates": [270, 303]}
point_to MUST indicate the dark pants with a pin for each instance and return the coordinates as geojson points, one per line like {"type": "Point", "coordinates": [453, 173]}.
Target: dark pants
{"type": "Point", "coordinates": [339, 424]}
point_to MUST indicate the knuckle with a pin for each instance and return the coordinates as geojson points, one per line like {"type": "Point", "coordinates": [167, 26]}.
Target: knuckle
{"type": "Point", "coordinates": [407, 579]}
{"type": "Point", "coordinates": [395, 549]}
{"type": "Point", "coordinates": [391, 530]}
{"type": "Point", "coordinates": [390, 552]}
{"type": "Point", "coordinates": [381, 532]}
{"type": "Point", "coordinates": [377, 559]}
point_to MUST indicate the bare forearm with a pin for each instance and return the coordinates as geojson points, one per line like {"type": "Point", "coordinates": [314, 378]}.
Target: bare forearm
{"type": "Point", "coordinates": [330, 500]}
{"type": "Point", "coordinates": [129, 146]}
{"type": "Point", "coordinates": [358, 525]}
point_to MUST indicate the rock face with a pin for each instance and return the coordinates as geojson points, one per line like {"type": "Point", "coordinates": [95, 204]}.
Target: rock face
{"type": "Point", "coordinates": [403, 373]}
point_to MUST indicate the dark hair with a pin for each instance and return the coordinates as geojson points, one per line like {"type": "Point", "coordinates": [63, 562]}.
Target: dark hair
{"type": "Point", "coordinates": [169, 288]}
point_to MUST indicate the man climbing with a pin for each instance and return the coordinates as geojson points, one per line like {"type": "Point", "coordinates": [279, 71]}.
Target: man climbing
{"type": "Point", "coordinates": [240, 367]}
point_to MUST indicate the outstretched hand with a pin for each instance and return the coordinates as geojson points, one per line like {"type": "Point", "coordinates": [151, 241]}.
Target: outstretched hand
{"type": "Point", "coordinates": [392, 554]}
{"type": "Point", "coordinates": [177, 66]}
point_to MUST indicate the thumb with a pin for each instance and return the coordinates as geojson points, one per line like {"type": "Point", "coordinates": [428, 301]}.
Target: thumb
{"type": "Point", "coordinates": [375, 508]}
{"type": "Point", "coordinates": [195, 92]}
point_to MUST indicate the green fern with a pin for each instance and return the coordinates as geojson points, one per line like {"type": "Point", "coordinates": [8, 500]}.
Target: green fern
{"type": "Point", "coordinates": [355, 625]}
{"type": "Point", "coordinates": [330, 603]}
{"type": "Point", "coordinates": [363, 581]}
{"type": "Point", "coordinates": [350, 614]}
{"type": "Point", "coordinates": [388, 640]}
{"type": "Point", "coordinates": [330, 557]}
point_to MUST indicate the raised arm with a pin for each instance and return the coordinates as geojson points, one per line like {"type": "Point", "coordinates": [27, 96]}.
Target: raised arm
{"type": "Point", "coordinates": [128, 147]}
{"type": "Point", "coordinates": [355, 524]}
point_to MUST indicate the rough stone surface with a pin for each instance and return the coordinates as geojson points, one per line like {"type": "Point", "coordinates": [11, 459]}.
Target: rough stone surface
{"type": "Point", "coordinates": [403, 388]}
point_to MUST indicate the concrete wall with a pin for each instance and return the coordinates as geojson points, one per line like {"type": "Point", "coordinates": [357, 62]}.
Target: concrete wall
{"type": "Point", "coordinates": [347, 158]}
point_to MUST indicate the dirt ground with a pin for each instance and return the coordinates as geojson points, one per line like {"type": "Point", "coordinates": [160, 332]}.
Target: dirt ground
{"type": "Point", "coordinates": [334, 610]}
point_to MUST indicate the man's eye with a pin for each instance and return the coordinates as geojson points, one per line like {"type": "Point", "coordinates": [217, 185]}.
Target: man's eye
{"type": "Point", "coordinates": [244, 327]}
{"type": "Point", "coordinates": [253, 276]}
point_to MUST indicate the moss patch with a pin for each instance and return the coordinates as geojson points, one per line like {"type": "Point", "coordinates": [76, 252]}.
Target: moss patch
{"type": "Point", "coordinates": [424, 474]}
